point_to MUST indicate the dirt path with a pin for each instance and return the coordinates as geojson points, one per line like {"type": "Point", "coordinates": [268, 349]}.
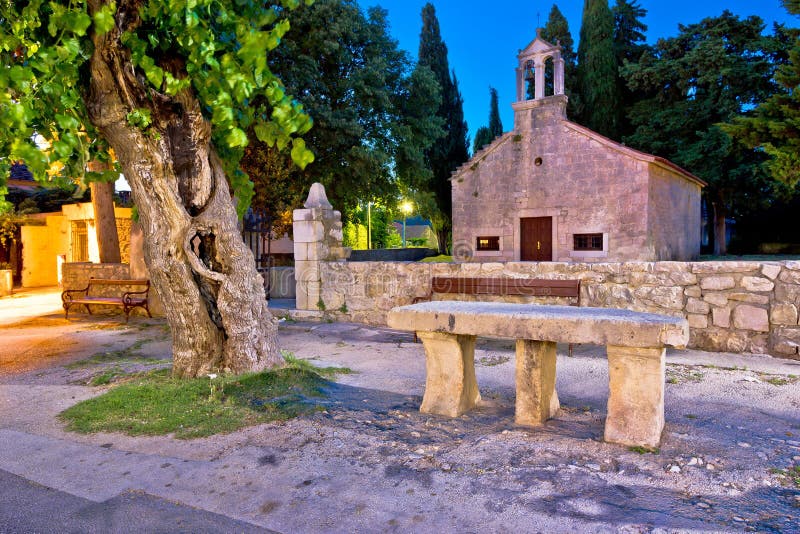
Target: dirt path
{"type": "Point", "coordinates": [372, 462]}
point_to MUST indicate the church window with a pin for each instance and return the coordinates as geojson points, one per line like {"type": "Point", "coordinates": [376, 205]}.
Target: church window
{"type": "Point", "coordinates": [488, 243]}
{"type": "Point", "coordinates": [587, 241]}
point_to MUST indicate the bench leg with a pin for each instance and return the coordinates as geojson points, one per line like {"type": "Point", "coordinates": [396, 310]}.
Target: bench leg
{"type": "Point", "coordinates": [450, 385]}
{"type": "Point", "coordinates": [537, 400]}
{"type": "Point", "coordinates": [636, 396]}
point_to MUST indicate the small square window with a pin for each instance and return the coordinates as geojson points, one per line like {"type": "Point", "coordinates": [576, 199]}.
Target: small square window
{"type": "Point", "coordinates": [587, 242]}
{"type": "Point", "coordinates": [488, 243]}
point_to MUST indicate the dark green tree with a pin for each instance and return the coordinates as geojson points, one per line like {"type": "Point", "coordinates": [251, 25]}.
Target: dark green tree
{"type": "Point", "coordinates": [774, 126]}
{"type": "Point", "coordinates": [707, 75]}
{"type": "Point", "coordinates": [483, 136]}
{"type": "Point", "coordinates": [629, 45]}
{"type": "Point", "coordinates": [171, 86]}
{"type": "Point", "coordinates": [374, 113]}
{"type": "Point", "coordinates": [495, 123]}
{"type": "Point", "coordinates": [486, 134]}
{"type": "Point", "coordinates": [597, 70]}
{"type": "Point", "coordinates": [447, 153]}
{"type": "Point", "coordinates": [556, 31]}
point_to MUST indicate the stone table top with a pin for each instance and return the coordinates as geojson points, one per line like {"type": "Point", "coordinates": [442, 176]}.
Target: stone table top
{"type": "Point", "coordinates": [565, 324]}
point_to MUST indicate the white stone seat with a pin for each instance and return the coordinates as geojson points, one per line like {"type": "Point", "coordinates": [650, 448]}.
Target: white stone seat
{"type": "Point", "coordinates": [635, 347]}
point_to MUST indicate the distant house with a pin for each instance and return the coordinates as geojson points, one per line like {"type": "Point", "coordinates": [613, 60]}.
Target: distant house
{"type": "Point", "coordinates": [49, 239]}
{"type": "Point", "coordinates": [552, 190]}
{"type": "Point", "coordinates": [419, 231]}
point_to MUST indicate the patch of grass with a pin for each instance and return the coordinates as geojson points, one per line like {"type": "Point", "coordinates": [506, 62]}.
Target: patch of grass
{"type": "Point", "coordinates": [343, 308]}
{"type": "Point", "coordinates": [108, 376]}
{"type": "Point", "coordinates": [690, 416]}
{"type": "Point", "coordinates": [321, 304]}
{"type": "Point", "coordinates": [127, 355]}
{"type": "Point", "coordinates": [441, 258]}
{"type": "Point", "coordinates": [327, 372]}
{"type": "Point", "coordinates": [157, 404]}
{"type": "Point", "coordinates": [491, 361]}
{"type": "Point", "coordinates": [644, 450]}
{"type": "Point", "coordinates": [790, 475]}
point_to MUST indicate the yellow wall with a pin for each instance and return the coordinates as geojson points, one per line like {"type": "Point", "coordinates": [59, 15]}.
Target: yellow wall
{"type": "Point", "coordinates": [41, 246]}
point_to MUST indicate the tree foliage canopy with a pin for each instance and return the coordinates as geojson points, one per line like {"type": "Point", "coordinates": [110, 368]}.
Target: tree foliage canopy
{"type": "Point", "coordinates": [374, 113]}
{"type": "Point", "coordinates": [774, 125]}
{"type": "Point", "coordinates": [217, 49]}
{"type": "Point", "coordinates": [710, 73]}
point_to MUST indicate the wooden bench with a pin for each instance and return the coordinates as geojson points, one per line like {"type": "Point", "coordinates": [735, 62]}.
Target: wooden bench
{"type": "Point", "coordinates": [526, 287]}
{"type": "Point", "coordinates": [635, 347]}
{"type": "Point", "coordinates": [127, 300]}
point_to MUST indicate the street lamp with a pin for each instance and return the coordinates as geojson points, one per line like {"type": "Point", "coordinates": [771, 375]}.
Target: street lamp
{"type": "Point", "coordinates": [406, 207]}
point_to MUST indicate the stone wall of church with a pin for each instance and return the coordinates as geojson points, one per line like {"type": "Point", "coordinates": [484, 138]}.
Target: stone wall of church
{"type": "Point", "coordinates": [674, 216]}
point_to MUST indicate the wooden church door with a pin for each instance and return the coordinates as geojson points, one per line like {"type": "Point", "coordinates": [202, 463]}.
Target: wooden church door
{"type": "Point", "coordinates": [536, 239]}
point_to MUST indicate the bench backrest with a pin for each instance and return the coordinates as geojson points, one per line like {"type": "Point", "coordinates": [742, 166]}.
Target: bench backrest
{"type": "Point", "coordinates": [533, 287]}
{"type": "Point", "coordinates": [134, 285]}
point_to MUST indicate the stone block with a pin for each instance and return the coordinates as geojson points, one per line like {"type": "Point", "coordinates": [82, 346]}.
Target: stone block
{"type": "Point", "coordinates": [537, 400]}
{"type": "Point", "coordinates": [693, 291]}
{"type": "Point", "coordinates": [450, 385]}
{"type": "Point", "coordinates": [746, 317]}
{"type": "Point", "coordinates": [750, 298]}
{"type": "Point", "coordinates": [717, 283]}
{"type": "Point", "coordinates": [636, 396]}
{"type": "Point", "coordinates": [783, 314]}
{"type": "Point", "coordinates": [721, 317]}
{"type": "Point", "coordinates": [771, 271]}
{"type": "Point", "coordinates": [790, 276]}
{"type": "Point", "coordinates": [717, 299]}
{"type": "Point", "coordinates": [694, 305]}
{"type": "Point", "coordinates": [756, 283]}
{"type": "Point", "coordinates": [697, 321]}
{"type": "Point", "coordinates": [714, 267]}
{"type": "Point", "coordinates": [307, 271]}
{"type": "Point", "coordinates": [308, 231]}
{"type": "Point", "coordinates": [683, 278]}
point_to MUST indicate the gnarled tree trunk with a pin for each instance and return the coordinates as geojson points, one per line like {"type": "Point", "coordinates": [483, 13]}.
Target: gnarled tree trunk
{"type": "Point", "coordinates": [204, 274]}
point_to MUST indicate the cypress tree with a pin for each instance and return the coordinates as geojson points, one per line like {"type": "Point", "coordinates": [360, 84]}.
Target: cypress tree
{"type": "Point", "coordinates": [597, 69]}
{"type": "Point", "coordinates": [629, 45]}
{"type": "Point", "coordinates": [556, 31]}
{"type": "Point", "coordinates": [495, 124]}
{"type": "Point", "coordinates": [486, 134]}
{"type": "Point", "coordinates": [450, 151]}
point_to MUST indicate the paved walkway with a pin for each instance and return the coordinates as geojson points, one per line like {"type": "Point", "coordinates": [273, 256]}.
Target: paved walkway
{"type": "Point", "coordinates": [371, 462]}
{"type": "Point", "coordinates": [27, 303]}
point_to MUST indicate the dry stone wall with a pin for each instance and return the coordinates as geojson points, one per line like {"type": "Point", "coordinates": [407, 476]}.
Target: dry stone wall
{"type": "Point", "coordinates": [749, 307]}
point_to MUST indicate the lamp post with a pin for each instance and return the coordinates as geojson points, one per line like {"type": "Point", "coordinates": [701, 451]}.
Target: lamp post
{"type": "Point", "coordinates": [369, 225]}
{"type": "Point", "coordinates": [406, 207]}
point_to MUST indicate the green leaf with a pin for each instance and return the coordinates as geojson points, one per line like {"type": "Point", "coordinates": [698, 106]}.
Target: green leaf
{"type": "Point", "coordinates": [236, 137]}
{"type": "Point", "coordinates": [104, 18]}
{"type": "Point", "coordinates": [301, 155]}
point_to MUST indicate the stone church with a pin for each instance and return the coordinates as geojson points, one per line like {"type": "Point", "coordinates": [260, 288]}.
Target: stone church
{"type": "Point", "coordinates": [552, 190]}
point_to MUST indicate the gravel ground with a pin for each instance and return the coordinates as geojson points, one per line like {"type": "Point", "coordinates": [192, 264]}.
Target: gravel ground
{"type": "Point", "coordinates": [372, 462]}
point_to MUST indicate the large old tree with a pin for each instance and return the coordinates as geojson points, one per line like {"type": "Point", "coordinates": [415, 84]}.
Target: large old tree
{"type": "Point", "coordinates": [168, 85]}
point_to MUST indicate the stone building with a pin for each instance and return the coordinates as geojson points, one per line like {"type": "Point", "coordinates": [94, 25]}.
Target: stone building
{"type": "Point", "coordinates": [552, 190]}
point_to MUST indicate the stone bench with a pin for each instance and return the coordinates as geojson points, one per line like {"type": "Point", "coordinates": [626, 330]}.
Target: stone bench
{"type": "Point", "coordinates": [635, 346]}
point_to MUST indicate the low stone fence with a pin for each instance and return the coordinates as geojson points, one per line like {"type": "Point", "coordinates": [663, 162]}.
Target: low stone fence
{"type": "Point", "coordinates": [75, 275]}
{"type": "Point", "coordinates": [747, 307]}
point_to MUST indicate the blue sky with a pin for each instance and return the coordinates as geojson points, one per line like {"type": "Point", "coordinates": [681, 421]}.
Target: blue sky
{"type": "Point", "coordinates": [483, 37]}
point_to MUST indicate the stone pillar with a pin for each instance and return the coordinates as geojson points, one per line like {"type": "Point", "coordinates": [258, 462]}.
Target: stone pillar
{"type": "Point", "coordinates": [539, 78]}
{"type": "Point", "coordinates": [317, 238]}
{"type": "Point", "coordinates": [636, 396]}
{"type": "Point", "coordinates": [537, 400]}
{"type": "Point", "coordinates": [520, 84]}
{"type": "Point", "coordinates": [558, 76]}
{"type": "Point", "coordinates": [450, 387]}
